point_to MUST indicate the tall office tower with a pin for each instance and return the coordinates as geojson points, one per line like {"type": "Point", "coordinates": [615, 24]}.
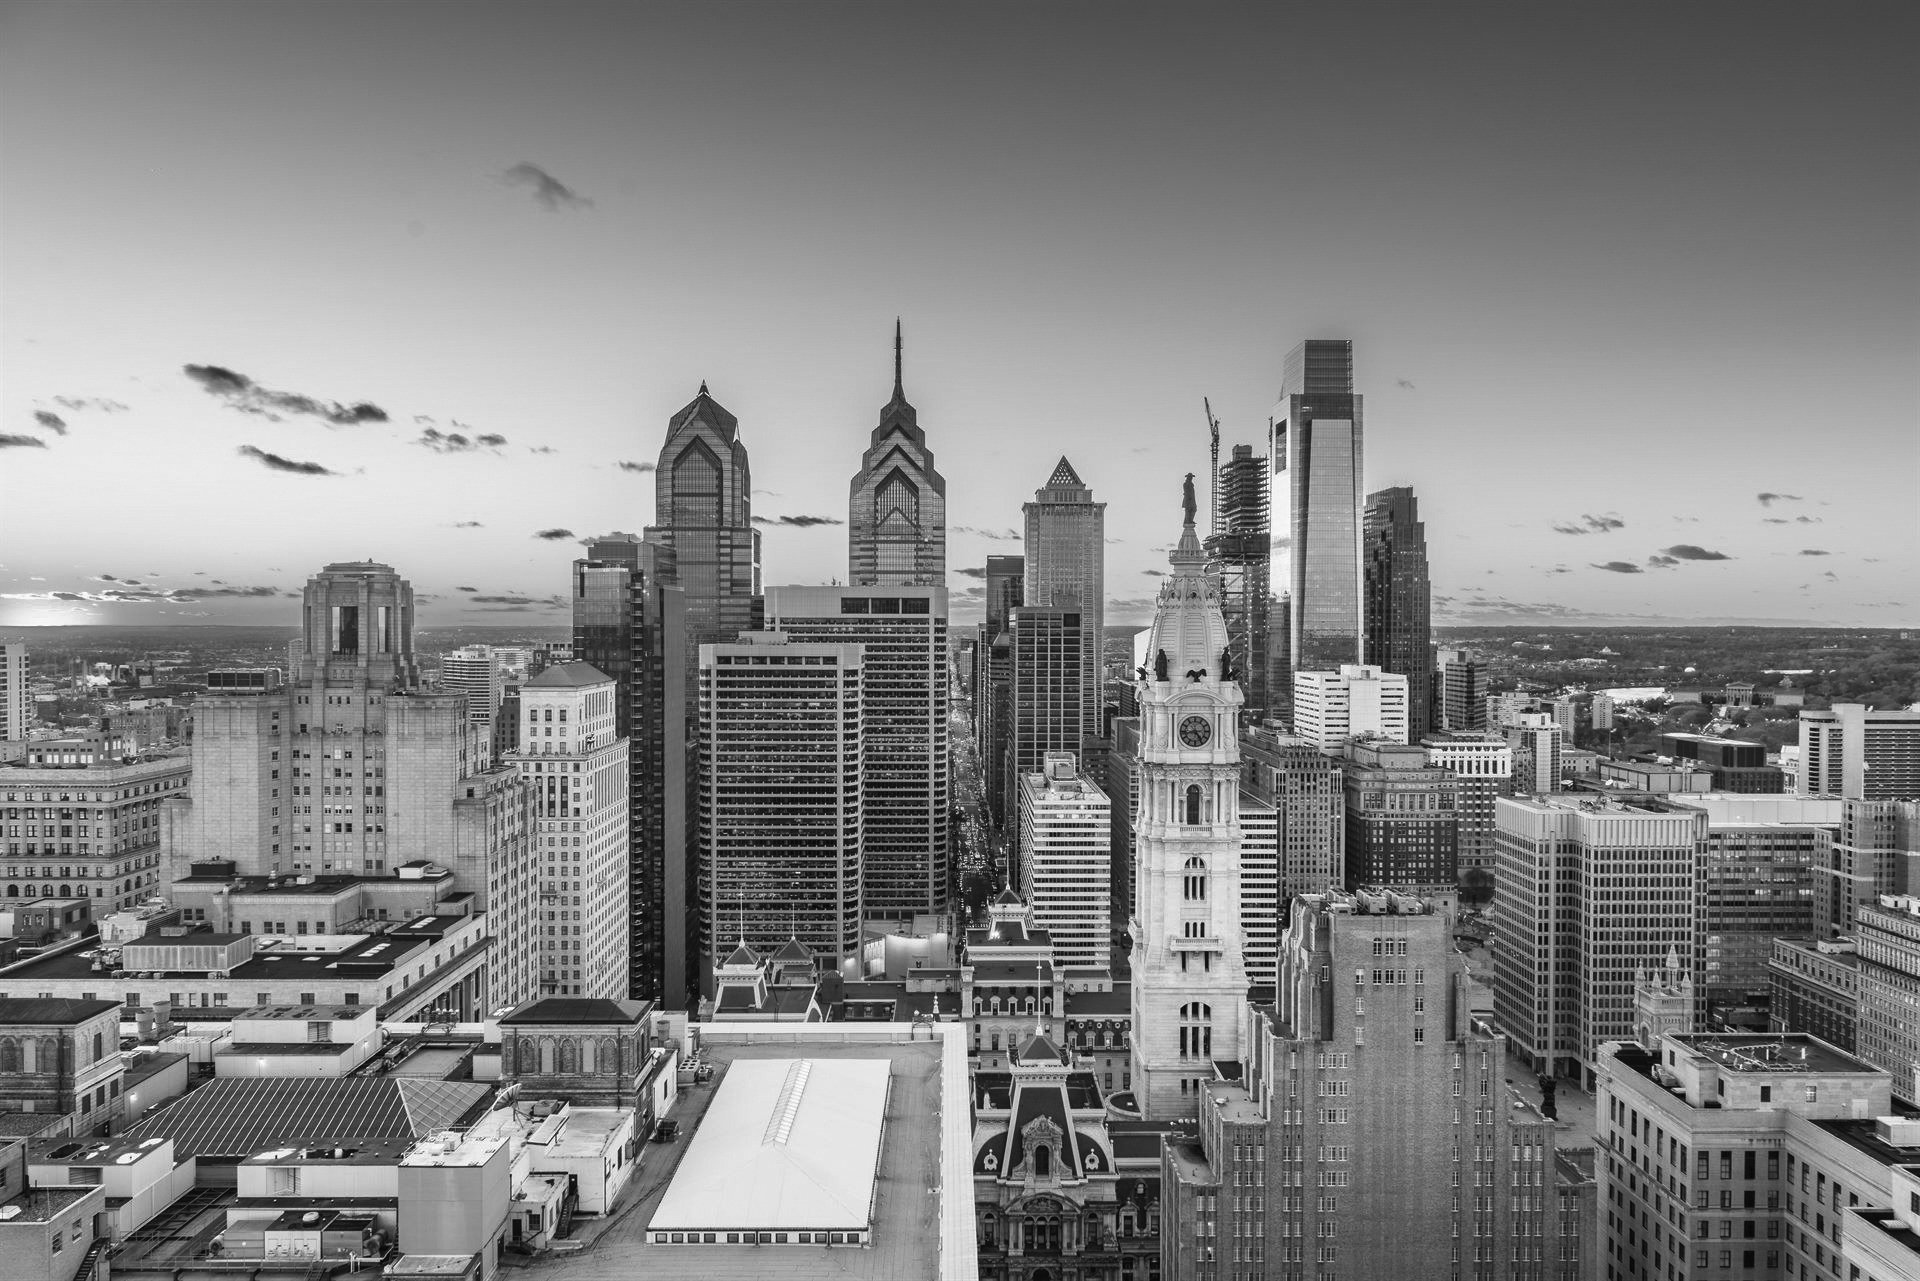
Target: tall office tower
{"type": "Point", "coordinates": [1260, 897]}
{"type": "Point", "coordinates": [703, 503]}
{"type": "Point", "coordinates": [1189, 978]}
{"type": "Point", "coordinates": [1369, 1132]}
{"type": "Point", "coordinates": [906, 855]}
{"type": "Point", "coordinates": [1585, 892]}
{"type": "Point", "coordinates": [1888, 1024]}
{"type": "Point", "coordinates": [474, 671]}
{"type": "Point", "coordinates": [1358, 700]}
{"type": "Point", "coordinates": [1318, 457]}
{"type": "Point", "coordinates": [572, 753]}
{"type": "Point", "coordinates": [780, 815]}
{"type": "Point", "coordinates": [1306, 790]}
{"type": "Point", "coordinates": [1856, 751]}
{"type": "Point", "coordinates": [1044, 707]}
{"type": "Point", "coordinates": [1403, 821]}
{"type": "Point", "coordinates": [1066, 872]}
{"type": "Point", "coordinates": [1066, 569]}
{"type": "Point", "coordinates": [630, 622]}
{"type": "Point", "coordinates": [1536, 739]}
{"type": "Point", "coordinates": [1122, 784]}
{"type": "Point", "coordinates": [1712, 1147]}
{"type": "Point", "coordinates": [1462, 680]}
{"type": "Point", "coordinates": [1484, 766]}
{"type": "Point", "coordinates": [1565, 711]}
{"type": "Point", "coordinates": [1875, 852]}
{"type": "Point", "coordinates": [1006, 588]}
{"type": "Point", "coordinates": [897, 510]}
{"type": "Point", "coordinates": [1754, 883]}
{"type": "Point", "coordinates": [16, 702]}
{"type": "Point", "coordinates": [1399, 600]}
{"type": "Point", "coordinates": [1241, 551]}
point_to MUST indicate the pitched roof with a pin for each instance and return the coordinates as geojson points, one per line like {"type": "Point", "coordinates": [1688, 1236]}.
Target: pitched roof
{"type": "Point", "coordinates": [577, 1009]}
{"type": "Point", "coordinates": [1007, 898]}
{"type": "Point", "coordinates": [1063, 474]}
{"type": "Point", "coordinates": [568, 675]}
{"type": "Point", "coordinates": [707, 408]}
{"type": "Point", "coordinates": [247, 1115]}
{"type": "Point", "coordinates": [741, 955]}
{"type": "Point", "coordinates": [793, 950]}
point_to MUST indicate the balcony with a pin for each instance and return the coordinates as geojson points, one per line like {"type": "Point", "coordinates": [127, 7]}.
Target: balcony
{"type": "Point", "coordinates": [1205, 943]}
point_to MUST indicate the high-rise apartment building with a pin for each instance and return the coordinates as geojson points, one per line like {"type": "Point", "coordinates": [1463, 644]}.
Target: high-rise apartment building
{"type": "Point", "coordinates": [1318, 456]}
{"type": "Point", "coordinates": [1484, 766]}
{"type": "Point", "coordinates": [1369, 1132]}
{"type": "Point", "coordinates": [1066, 552]}
{"type": "Point", "coordinates": [897, 510]}
{"type": "Point", "coordinates": [572, 753]}
{"type": "Point", "coordinates": [1403, 820]}
{"type": "Point", "coordinates": [1859, 752]}
{"type": "Point", "coordinates": [782, 751]}
{"type": "Point", "coordinates": [1462, 679]}
{"type": "Point", "coordinates": [1601, 712]}
{"type": "Point", "coordinates": [1399, 600]}
{"type": "Point", "coordinates": [907, 800]}
{"type": "Point", "coordinates": [1586, 892]}
{"type": "Point", "coordinates": [1887, 1023]}
{"type": "Point", "coordinates": [1066, 872]}
{"type": "Point", "coordinates": [1875, 851]}
{"type": "Point", "coordinates": [1356, 701]}
{"type": "Point", "coordinates": [1189, 975]}
{"type": "Point", "coordinates": [1260, 896]}
{"type": "Point", "coordinates": [1536, 739]}
{"type": "Point", "coordinates": [475, 671]}
{"type": "Point", "coordinates": [1046, 707]}
{"type": "Point", "coordinates": [631, 623]}
{"type": "Point", "coordinates": [1306, 789]}
{"type": "Point", "coordinates": [703, 513]}
{"type": "Point", "coordinates": [16, 701]}
{"type": "Point", "coordinates": [1240, 550]}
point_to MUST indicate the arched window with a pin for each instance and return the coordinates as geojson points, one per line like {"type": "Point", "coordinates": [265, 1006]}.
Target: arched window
{"type": "Point", "coordinates": [9, 1054]}
{"type": "Point", "coordinates": [1043, 1161]}
{"type": "Point", "coordinates": [569, 1057]}
{"type": "Point", "coordinates": [13, 891]}
{"type": "Point", "coordinates": [1193, 805]}
{"type": "Point", "coordinates": [696, 495]}
{"type": "Point", "coordinates": [529, 1056]}
{"type": "Point", "coordinates": [1195, 881]}
{"type": "Point", "coordinates": [1196, 1030]}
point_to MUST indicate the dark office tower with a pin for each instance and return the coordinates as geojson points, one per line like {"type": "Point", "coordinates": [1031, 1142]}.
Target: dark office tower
{"type": "Point", "coordinates": [1462, 692]}
{"type": "Point", "coordinates": [1318, 458]}
{"type": "Point", "coordinates": [1046, 646]}
{"type": "Point", "coordinates": [1399, 600]}
{"type": "Point", "coordinates": [897, 512]}
{"type": "Point", "coordinates": [1066, 569]}
{"type": "Point", "coordinates": [629, 623]}
{"type": "Point", "coordinates": [703, 501]}
{"type": "Point", "coordinates": [1241, 553]}
{"type": "Point", "coordinates": [1006, 588]}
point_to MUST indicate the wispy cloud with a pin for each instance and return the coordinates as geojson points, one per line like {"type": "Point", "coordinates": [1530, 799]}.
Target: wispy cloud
{"type": "Point", "coordinates": [1618, 567]}
{"type": "Point", "coordinates": [798, 522]}
{"type": "Point", "coordinates": [101, 403]}
{"type": "Point", "coordinates": [1154, 573]}
{"type": "Point", "coordinates": [1590, 525]}
{"type": "Point", "coordinates": [626, 465]}
{"type": "Point", "coordinates": [9, 440]}
{"type": "Point", "coordinates": [454, 442]}
{"type": "Point", "coordinates": [51, 421]}
{"type": "Point", "coordinates": [1661, 561]}
{"type": "Point", "coordinates": [993, 535]}
{"type": "Point", "coordinates": [972, 571]}
{"type": "Point", "coordinates": [468, 524]}
{"type": "Point", "coordinates": [1769, 499]}
{"type": "Point", "coordinates": [1405, 382]}
{"type": "Point", "coordinates": [241, 393]}
{"type": "Point", "coordinates": [466, 589]}
{"type": "Point", "coordinates": [500, 600]}
{"type": "Point", "coordinates": [207, 593]}
{"type": "Point", "coordinates": [1688, 551]}
{"type": "Point", "coordinates": [553, 535]}
{"type": "Point", "coordinates": [1814, 551]}
{"type": "Point", "coordinates": [278, 463]}
{"type": "Point", "coordinates": [553, 194]}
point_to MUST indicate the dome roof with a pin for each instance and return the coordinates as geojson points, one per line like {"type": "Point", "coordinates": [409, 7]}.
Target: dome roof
{"type": "Point", "coordinates": [1187, 622]}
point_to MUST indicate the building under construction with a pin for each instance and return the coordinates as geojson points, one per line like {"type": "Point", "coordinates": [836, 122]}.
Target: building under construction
{"type": "Point", "coordinates": [1240, 553]}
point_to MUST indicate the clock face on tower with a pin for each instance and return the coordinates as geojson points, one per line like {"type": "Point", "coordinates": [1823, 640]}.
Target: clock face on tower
{"type": "Point", "coordinates": [1195, 731]}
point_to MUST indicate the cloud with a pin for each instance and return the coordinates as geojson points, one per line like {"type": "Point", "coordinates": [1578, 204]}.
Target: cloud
{"type": "Point", "coordinates": [1559, 569]}
{"type": "Point", "coordinates": [454, 442]}
{"type": "Point", "coordinates": [1687, 551]}
{"type": "Point", "coordinates": [10, 441]}
{"type": "Point", "coordinates": [1561, 527]}
{"type": "Point", "coordinates": [100, 403]}
{"type": "Point", "coordinates": [1808, 520]}
{"type": "Point", "coordinates": [625, 465]}
{"type": "Point", "coordinates": [1775, 520]}
{"type": "Point", "coordinates": [501, 600]}
{"type": "Point", "coordinates": [1590, 525]}
{"type": "Point", "coordinates": [1618, 567]}
{"type": "Point", "coordinates": [972, 571]}
{"type": "Point", "coordinates": [994, 535]}
{"type": "Point", "coordinates": [205, 593]}
{"type": "Point", "coordinates": [553, 194]}
{"type": "Point", "coordinates": [1769, 499]}
{"type": "Point", "coordinates": [1814, 551]}
{"type": "Point", "coordinates": [278, 463]}
{"type": "Point", "coordinates": [1658, 561]}
{"type": "Point", "coordinates": [466, 589]}
{"type": "Point", "coordinates": [1405, 382]}
{"type": "Point", "coordinates": [798, 522]}
{"type": "Point", "coordinates": [1154, 573]}
{"type": "Point", "coordinates": [553, 535]}
{"type": "Point", "coordinates": [248, 397]}
{"type": "Point", "coordinates": [541, 449]}
{"type": "Point", "coordinates": [468, 524]}
{"type": "Point", "coordinates": [51, 421]}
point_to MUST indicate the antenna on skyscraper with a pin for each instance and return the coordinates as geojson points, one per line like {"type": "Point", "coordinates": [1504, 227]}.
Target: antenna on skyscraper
{"type": "Point", "coordinates": [1213, 506]}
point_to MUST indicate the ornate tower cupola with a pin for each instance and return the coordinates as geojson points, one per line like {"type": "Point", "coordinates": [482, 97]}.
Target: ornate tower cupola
{"type": "Point", "coordinates": [1188, 969]}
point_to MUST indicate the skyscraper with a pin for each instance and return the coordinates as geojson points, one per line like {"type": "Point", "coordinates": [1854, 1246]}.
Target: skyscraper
{"type": "Point", "coordinates": [1241, 552]}
{"type": "Point", "coordinates": [1399, 600]}
{"type": "Point", "coordinates": [631, 623]}
{"type": "Point", "coordinates": [1306, 790]}
{"type": "Point", "coordinates": [16, 705]}
{"type": "Point", "coordinates": [703, 503]}
{"type": "Point", "coordinates": [780, 812]}
{"type": "Point", "coordinates": [1860, 752]}
{"type": "Point", "coordinates": [1402, 820]}
{"type": "Point", "coordinates": [1188, 970]}
{"type": "Point", "coordinates": [1331, 707]}
{"type": "Point", "coordinates": [474, 670]}
{"type": "Point", "coordinates": [907, 789]}
{"type": "Point", "coordinates": [897, 510]}
{"type": "Point", "coordinates": [1536, 741]}
{"type": "Point", "coordinates": [1318, 456]}
{"type": "Point", "coordinates": [1066, 870]}
{"type": "Point", "coordinates": [1066, 568]}
{"type": "Point", "coordinates": [993, 708]}
{"type": "Point", "coordinates": [1045, 712]}
{"type": "Point", "coordinates": [1462, 678]}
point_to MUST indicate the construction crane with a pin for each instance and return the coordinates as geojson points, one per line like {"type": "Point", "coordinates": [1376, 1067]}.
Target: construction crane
{"type": "Point", "coordinates": [1213, 504]}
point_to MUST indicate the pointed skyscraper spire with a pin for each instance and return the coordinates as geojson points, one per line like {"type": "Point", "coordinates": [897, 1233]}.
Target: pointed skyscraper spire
{"type": "Point", "coordinates": [899, 390]}
{"type": "Point", "coordinates": [703, 387]}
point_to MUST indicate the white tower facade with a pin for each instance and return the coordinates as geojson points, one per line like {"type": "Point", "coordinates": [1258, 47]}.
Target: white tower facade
{"type": "Point", "coordinates": [1189, 977]}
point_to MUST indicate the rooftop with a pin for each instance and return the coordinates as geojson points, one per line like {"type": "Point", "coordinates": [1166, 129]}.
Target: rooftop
{"type": "Point", "coordinates": [563, 1009]}
{"type": "Point", "coordinates": [1772, 1052]}
{"type": "Point", "coordinates": [246, 1115]}
{"type": "Point", "coordinates": [19, 1011]}
{"type": "Point", "coordinates": [568, 676]}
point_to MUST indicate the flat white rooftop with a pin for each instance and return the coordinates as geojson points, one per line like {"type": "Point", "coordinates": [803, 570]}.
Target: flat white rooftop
{"type": "Point", "coordinates": [787, 1144]}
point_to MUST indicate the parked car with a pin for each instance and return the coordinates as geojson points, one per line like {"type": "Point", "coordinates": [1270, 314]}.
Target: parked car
{"type": "Point", "coordinates": [666, 1132]}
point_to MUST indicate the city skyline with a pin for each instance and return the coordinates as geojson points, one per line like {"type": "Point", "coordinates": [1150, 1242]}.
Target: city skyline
{"type": "Point", "coordinates": [473, 272]}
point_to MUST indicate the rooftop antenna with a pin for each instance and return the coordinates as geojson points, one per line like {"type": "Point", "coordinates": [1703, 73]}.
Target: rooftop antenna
{"type": "Point", "coordinates": [899, 392]}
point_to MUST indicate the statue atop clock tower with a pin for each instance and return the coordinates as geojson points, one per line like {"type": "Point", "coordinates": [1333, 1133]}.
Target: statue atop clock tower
{"type": "Point", "coordinates": [1189, 978]}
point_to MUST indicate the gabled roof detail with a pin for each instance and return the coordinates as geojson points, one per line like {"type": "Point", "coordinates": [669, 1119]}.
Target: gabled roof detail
{"type": "Point", "coordinates": [708, 410]}
{"type": "Point", "coordinates": [1063, 475]}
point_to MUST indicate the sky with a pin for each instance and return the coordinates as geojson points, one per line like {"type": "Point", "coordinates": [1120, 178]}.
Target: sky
{"type": "Point", "coordinates": [1633, 289]}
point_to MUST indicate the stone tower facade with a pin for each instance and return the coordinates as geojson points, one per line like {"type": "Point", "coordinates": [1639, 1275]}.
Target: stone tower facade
{"type": "Point", "coordinates": [1189, 979]}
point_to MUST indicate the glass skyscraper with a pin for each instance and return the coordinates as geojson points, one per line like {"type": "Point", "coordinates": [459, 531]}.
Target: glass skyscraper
{"type": "Point", "coordinates": [1399, 600]}
{"type": "Point", "coordinates": [897, 510]}
{"type": "Point", "coordinates": [1066, 569]}
{"type": "Point", "coordinates": [1318, 458]}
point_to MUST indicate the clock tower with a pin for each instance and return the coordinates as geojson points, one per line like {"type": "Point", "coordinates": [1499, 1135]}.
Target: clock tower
{"type": "Point", "coordinates": [1189, 977]}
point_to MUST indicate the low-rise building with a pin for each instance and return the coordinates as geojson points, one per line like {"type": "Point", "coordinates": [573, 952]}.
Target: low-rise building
{"type": "Point", "coordinates": [82, 822]}
{"type": "Point", "coordinates": [1815, 989]}
{"type": "Point", "coordinates": [61, 1056]}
